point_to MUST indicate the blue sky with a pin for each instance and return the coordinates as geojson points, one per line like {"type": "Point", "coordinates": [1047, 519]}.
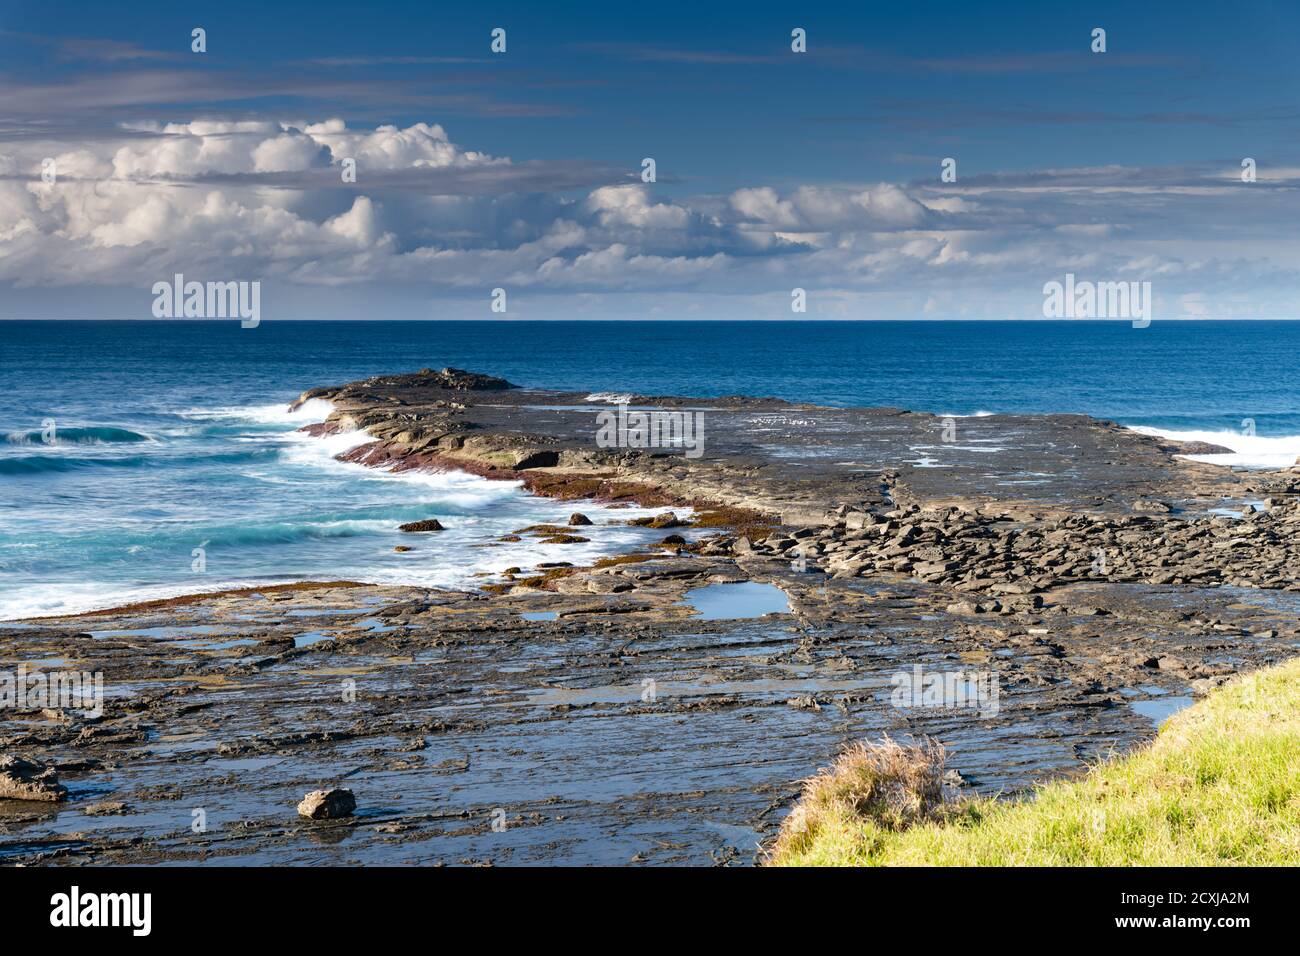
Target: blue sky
{"type": "Point", "coordinates": [775, 169]}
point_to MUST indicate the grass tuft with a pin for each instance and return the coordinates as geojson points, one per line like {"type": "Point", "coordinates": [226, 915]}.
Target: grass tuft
{"type": "Point", "coordinates": [1220, 785]}
{"type": "Point", "coordinates": [887, 786]}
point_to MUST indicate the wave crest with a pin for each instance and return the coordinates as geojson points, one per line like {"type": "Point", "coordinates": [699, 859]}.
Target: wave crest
{"type": "Point", "coordinates": [1248, 451]}
{"type": "Point", "coordinates": [89, 435]}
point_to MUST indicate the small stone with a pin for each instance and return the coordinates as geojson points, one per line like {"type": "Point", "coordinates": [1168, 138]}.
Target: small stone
{"type": "Point", "coordinates": [330, 804]}
{"type": "Point", "coordinates": [578, 518]}
{"type": "Point", "coordinates": [401, 549]}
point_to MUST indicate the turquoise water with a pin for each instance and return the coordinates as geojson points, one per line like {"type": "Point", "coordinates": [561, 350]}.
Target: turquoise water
{"type": "Point", "coordinates": [173, 436]}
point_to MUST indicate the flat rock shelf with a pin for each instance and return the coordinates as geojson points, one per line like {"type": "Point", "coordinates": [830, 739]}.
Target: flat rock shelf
{"type": "Point", "coordinates": [571, 714]}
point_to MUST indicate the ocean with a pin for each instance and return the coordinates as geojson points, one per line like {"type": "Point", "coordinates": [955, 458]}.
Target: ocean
{"type": "Point", "coordinates": [175, 466]}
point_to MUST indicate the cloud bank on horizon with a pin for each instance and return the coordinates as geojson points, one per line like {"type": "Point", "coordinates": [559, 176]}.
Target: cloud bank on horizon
{"type": "Point", "coordinates": [125, 160]}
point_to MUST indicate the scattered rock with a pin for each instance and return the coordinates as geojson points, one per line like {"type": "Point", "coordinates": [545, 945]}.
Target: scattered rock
{"type": "Point", "coordinates": [401, 548]}
{"type": "Point", "coordinates": [578, 518]}
{"type": "Point", "coordinates": [458, 379]}
{"type": "Point", "coordinates": [112, 808]}
{"type": "Point", "coordinates": [28, 780]}
{"type": "Point", "coordinates": [857, 520]}
{"type": "Point", "coordinates": [428, 524]}
{"type": "Point", "coordinates": [332, 804]}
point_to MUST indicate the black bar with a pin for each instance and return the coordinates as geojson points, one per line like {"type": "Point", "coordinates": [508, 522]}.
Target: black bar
{"type": "Point", "coordinates": [214, 904]}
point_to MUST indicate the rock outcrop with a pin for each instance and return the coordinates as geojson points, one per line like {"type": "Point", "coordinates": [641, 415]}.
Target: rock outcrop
{"type": "Point", "coordinates": [332, 804]}
{"type": "Point", "coordinates": [428, 524]}
{"type": "Point", "coordinates": [22, 779]}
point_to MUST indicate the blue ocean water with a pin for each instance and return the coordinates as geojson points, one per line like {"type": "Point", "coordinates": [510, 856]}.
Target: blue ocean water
{"type": "Point", "coordinates": [173, 436]}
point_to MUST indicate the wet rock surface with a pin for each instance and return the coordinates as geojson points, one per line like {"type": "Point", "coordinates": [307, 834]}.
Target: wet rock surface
{"type": "Point", "coordinates": [569, 714]}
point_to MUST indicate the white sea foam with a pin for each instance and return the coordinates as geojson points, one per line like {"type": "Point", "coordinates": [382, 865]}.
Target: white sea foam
{"type": "Point", "coordinates": [311, 411]}
{"type": "Point", "coordinates": [454, 489]}
{"type": "Point", "coordinates": [1248, 451]}
{"type": "Point", "coordinates": [269, 479]}
{"type": "Point", "coordinates": [307, 449]}
{"type": "Point", "coordinates": [457, 489]}
{"type": "Point", "coordinates": [476, 512]}
{"type": "Point", "coordinates": [70, 597]}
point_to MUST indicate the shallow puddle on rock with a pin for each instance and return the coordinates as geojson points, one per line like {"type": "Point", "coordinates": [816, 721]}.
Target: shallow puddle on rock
{"type": "Point", "coordinates": [1236, 508]}
{"type": "Point", "coordinates": [45, 663]}
{"type": "Point", "coordinates": [741, 837]}
{"type": "Point", "coordinates": [218, 646]}
{"type": "Point", "coordinates": [539, 615]}
{"type": "Point", "coordinates": [624, 693]}
{"type": "Point", "coordinates": [167, 631]}
{"type": "Point", "coordinates": [241, 764]}
{"type": "Point", "coordinates": [733, 602]}
{"type": "Point", "coordinates": [1158, 711]}
{"type": "Point", "coordinates": [325, 612]}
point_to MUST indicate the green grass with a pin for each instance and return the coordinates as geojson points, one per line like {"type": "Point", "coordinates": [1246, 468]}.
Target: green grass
{"type": "Point", "coordinates": [1219, 785]}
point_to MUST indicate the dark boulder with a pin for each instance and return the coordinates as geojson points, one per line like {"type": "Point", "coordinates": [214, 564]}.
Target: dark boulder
{"type": "Point", "coordinates": [428, 524]}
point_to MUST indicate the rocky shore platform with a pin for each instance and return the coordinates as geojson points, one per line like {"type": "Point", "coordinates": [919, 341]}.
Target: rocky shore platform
{"type": "Point", "coordinates": [570, 714]}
